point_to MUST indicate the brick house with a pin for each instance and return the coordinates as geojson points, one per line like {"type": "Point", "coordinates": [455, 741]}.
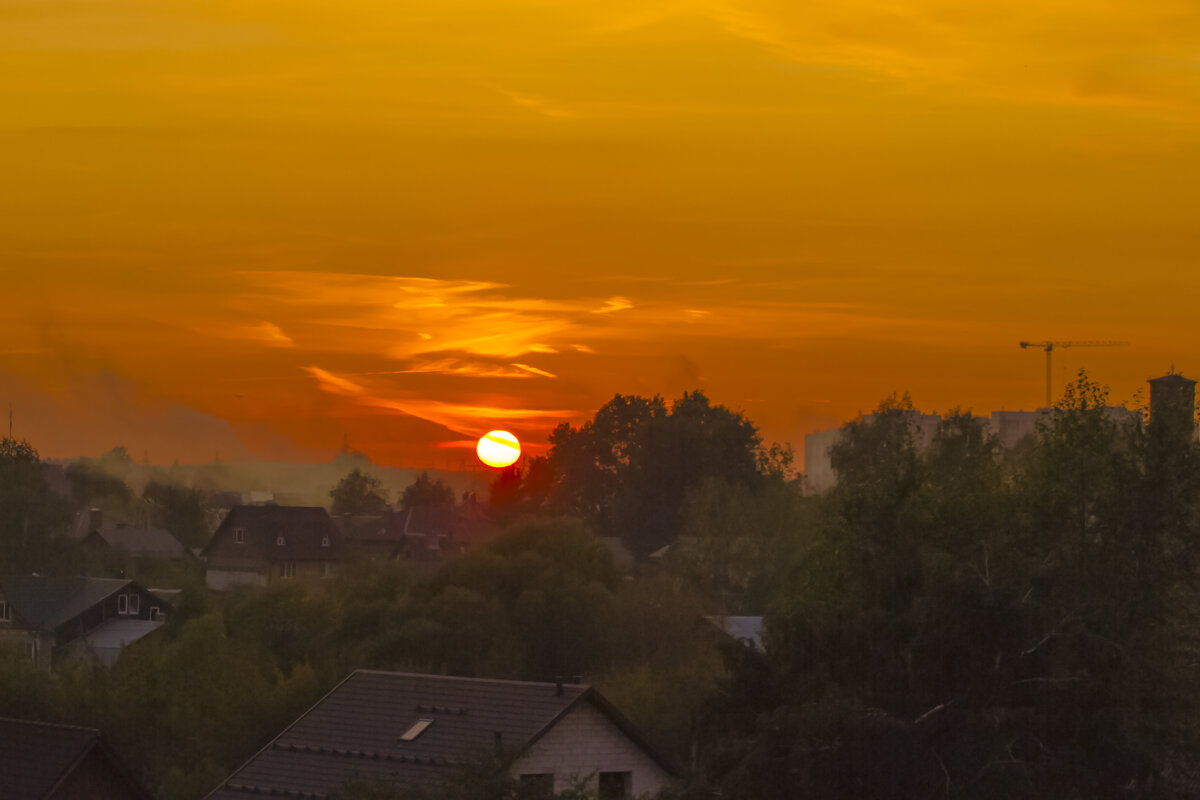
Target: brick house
{"type": "Point", "coordinates": [57, 620]}
{"type": "Point", "coordinates": [411, 730]}
{"type": "Point", "coordinates": [255, 545]}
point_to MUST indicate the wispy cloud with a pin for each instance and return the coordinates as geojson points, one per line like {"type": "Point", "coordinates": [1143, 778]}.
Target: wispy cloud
{"type": "Point", "coordinates": [468, 419]}
{"type": "Point", "coordinates": [535, 103]}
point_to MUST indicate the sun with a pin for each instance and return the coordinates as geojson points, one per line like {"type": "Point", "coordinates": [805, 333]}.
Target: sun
{"type": "Point", "coordinates": [498, 449]}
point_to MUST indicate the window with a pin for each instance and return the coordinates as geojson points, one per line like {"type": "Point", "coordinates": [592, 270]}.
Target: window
{"type": "Point", "coordinates": [538, 786]}
{"type": "Point", "coordinates": [154, 613]}
{"type": "Point", "coordinates": [324, 541]}
{"type": "Point", "coordinates": [5, 613]}
{"type": "Point", "coordinates": [615, 785]}
{"type": "Point", "coordinates": [122, 604]}
{"type": "Point", "coordinates": [135, 604]}
{"type": "Point", "coordinates": [239, 535]}
{"type": "Point", "coordinates": [279, 542]}
{"type": "Point", "coordinates": [287, 569]}
{"type": "Point", "coordinates": [416, 730]}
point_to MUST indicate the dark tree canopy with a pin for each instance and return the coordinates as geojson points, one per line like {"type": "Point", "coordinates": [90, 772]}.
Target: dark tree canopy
{"type": "Point", "coordinates": [629, 469]}
{"type": "Point", "coordinates": [426, 492]}
{"type": "Point", "coordinates": [971, 623]}
{"type": "Point", "coordinates": [358, 493]}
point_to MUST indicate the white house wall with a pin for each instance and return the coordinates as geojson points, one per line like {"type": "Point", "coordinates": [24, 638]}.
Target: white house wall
{"type": "Point", "coordinates": [584, 743]}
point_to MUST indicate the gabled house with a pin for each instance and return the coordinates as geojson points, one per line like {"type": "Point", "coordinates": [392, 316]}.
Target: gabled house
{"type": "Point", "coordinates": [41, 761]}
{"type": "Point", "coordinates": [59, 620]}
{"type": "Point", "coordinates": [101, 531]}
{"type": "Point", "coordinates": [409, 730]}
{"type": "Point", "coordinates": [255, 545]}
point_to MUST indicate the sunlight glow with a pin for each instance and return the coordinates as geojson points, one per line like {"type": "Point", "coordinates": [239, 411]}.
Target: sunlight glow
{"type": "Point", "coordinates": [498, 449]}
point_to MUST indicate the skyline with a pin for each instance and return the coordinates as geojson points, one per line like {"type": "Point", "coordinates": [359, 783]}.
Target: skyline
{"type": "Point", "coordinates": [259, 229]}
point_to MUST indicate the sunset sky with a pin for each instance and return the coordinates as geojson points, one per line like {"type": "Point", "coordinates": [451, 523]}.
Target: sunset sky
{"type": "Point", "coordinates": [254, 228]}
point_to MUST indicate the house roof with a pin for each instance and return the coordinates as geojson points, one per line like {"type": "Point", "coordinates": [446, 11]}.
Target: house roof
{"type": "Point", "coordinates": [355, 732]}
{"type": "Point", "coordinates": [36, 757]}
{"type": "Point", "coordinates": [115, 633]}
{"type": "Point", "coordinates": [302, 527]}
{"type": "Point", "coordinates": [139, 541]}
{"type": "Point", "coordinates": [44, 603]}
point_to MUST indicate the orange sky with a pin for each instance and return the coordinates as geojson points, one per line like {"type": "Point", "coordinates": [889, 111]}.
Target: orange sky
{"type": "Point", "coordinates": [254, 227]}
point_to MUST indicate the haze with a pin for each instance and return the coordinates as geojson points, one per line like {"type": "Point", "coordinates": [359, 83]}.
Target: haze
{"type": "Point", "coordinates": [258, 228]}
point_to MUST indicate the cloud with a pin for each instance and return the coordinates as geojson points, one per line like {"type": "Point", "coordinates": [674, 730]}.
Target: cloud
{"type": "Point", "coordinates": [264, 333]}
{"type": "Point", "coordinates": [1060, 51]}
{"type": "Point", "coordinates": [470, 419]}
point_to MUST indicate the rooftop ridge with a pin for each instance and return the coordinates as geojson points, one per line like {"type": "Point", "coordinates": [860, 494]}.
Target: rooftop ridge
{"type": "Point", "coordinates": [467, 679]}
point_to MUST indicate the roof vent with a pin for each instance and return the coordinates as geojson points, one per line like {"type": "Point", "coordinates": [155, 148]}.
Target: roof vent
{"type": "Point", "coordinates": [416, 730]}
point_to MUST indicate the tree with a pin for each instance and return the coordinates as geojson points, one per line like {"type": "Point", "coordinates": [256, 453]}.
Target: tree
{"type": "Point", "coordinates": [971, 625]}
{"type": "Point", "coordinates": [358, 493]}
{"type": "Point", "coordinates": [29, 516]}
{"type": "Point", "coordinates": [178, 509]}
{"type": "Point", "coordinates": [426, 492]}
{"type": "Point", "coordinates": [629, 469]}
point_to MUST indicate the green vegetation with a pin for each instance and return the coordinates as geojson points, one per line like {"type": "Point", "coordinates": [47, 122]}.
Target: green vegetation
{"type": "Point", "coordinates": [358, 493]}
{"type": "Point", "coordinates": [951, 621]}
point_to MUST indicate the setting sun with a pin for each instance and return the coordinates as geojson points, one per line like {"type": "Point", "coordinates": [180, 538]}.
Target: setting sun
{"type": "Point", "coordinates": [498, 449]}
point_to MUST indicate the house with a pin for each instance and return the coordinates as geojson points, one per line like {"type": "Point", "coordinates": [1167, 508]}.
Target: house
{"type": "Point", "coordinates": [255, 545]}
{"type": "Point", "coordinates": [64, 619]}
{"type": "Point", "coordinates": [95, 529]}
{"type": "Point", "coordinates": [41, 761]}
{"type": "Point", "coordinates": [411, 730]}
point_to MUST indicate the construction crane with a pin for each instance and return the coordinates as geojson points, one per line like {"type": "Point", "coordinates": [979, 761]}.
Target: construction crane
{"type": "Point", "coordinates": [1049, 348]}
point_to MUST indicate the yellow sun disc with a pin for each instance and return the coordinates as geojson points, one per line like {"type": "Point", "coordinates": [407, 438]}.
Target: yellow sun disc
{"type": "Point", "coordinates": [498, 449]}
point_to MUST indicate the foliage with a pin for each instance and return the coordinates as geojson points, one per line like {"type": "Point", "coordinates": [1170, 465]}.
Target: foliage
{"type": "Point", "coordinates": [30, 516]}
{"type": "Point", "coordinates": [629, 469]}
{"type": "Point", "coordinates": [426, 492]}
{"type": "Point", "coordinates": [970, 625]}
{"type": "Point", "coordinates": [179, 510]}
{"type": "Point", "coordinates": [358, 493]}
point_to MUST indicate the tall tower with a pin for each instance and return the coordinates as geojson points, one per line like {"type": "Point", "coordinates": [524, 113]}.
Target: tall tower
{"type": "Point", "coordinates": [1173, 404]}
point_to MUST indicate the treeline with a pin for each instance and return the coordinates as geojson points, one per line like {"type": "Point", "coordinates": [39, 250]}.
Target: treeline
{"type": "Point", "coordinates": [543, 601]}
{"type": "Point", "coordinates": [951, 621]}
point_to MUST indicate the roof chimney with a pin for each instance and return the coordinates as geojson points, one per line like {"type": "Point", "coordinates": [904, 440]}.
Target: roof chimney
{"type": "Point", "coordinates": [95, 518]}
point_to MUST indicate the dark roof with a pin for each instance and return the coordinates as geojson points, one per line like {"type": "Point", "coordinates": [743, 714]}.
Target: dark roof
{"type": "Point", "coordinates": [139, 541]}
{"type": "Point", "coordinates": [45, 603]}
{"type": "Point", "coordinates": [302, 527]}
{"type": "Point", "coordinates": [354, 732]}
{"type": "Point", "coordinates": [36, 757]}
{"type": "Point", "coordinates": [369, 529]}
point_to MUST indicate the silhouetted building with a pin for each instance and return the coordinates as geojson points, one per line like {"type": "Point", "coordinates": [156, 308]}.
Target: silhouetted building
{"type": "Point", "coordinates": [255, 545]}
{"type": "Point", "coordinates": [61, 620]}
{"type": "Point", "coordinates": [1173, 404]}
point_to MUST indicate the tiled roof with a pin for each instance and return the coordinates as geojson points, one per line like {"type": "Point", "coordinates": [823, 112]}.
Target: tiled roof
{"type": "Point", "coordinates": [45, 603]}
{"type": "Point", "coordinates": [138, 541]}
{"type": "Point", "coordinates": [114, 634]}
{"type": "Point", "coordinates": [302, 527]}
{"type": "Point", "coordinates": [36, 756]}
{"type": "Point", "coordinates": [355, 732]}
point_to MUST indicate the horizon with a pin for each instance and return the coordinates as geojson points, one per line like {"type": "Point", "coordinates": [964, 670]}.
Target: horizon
{"type": "Point", "coordinates": [259, 229]}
